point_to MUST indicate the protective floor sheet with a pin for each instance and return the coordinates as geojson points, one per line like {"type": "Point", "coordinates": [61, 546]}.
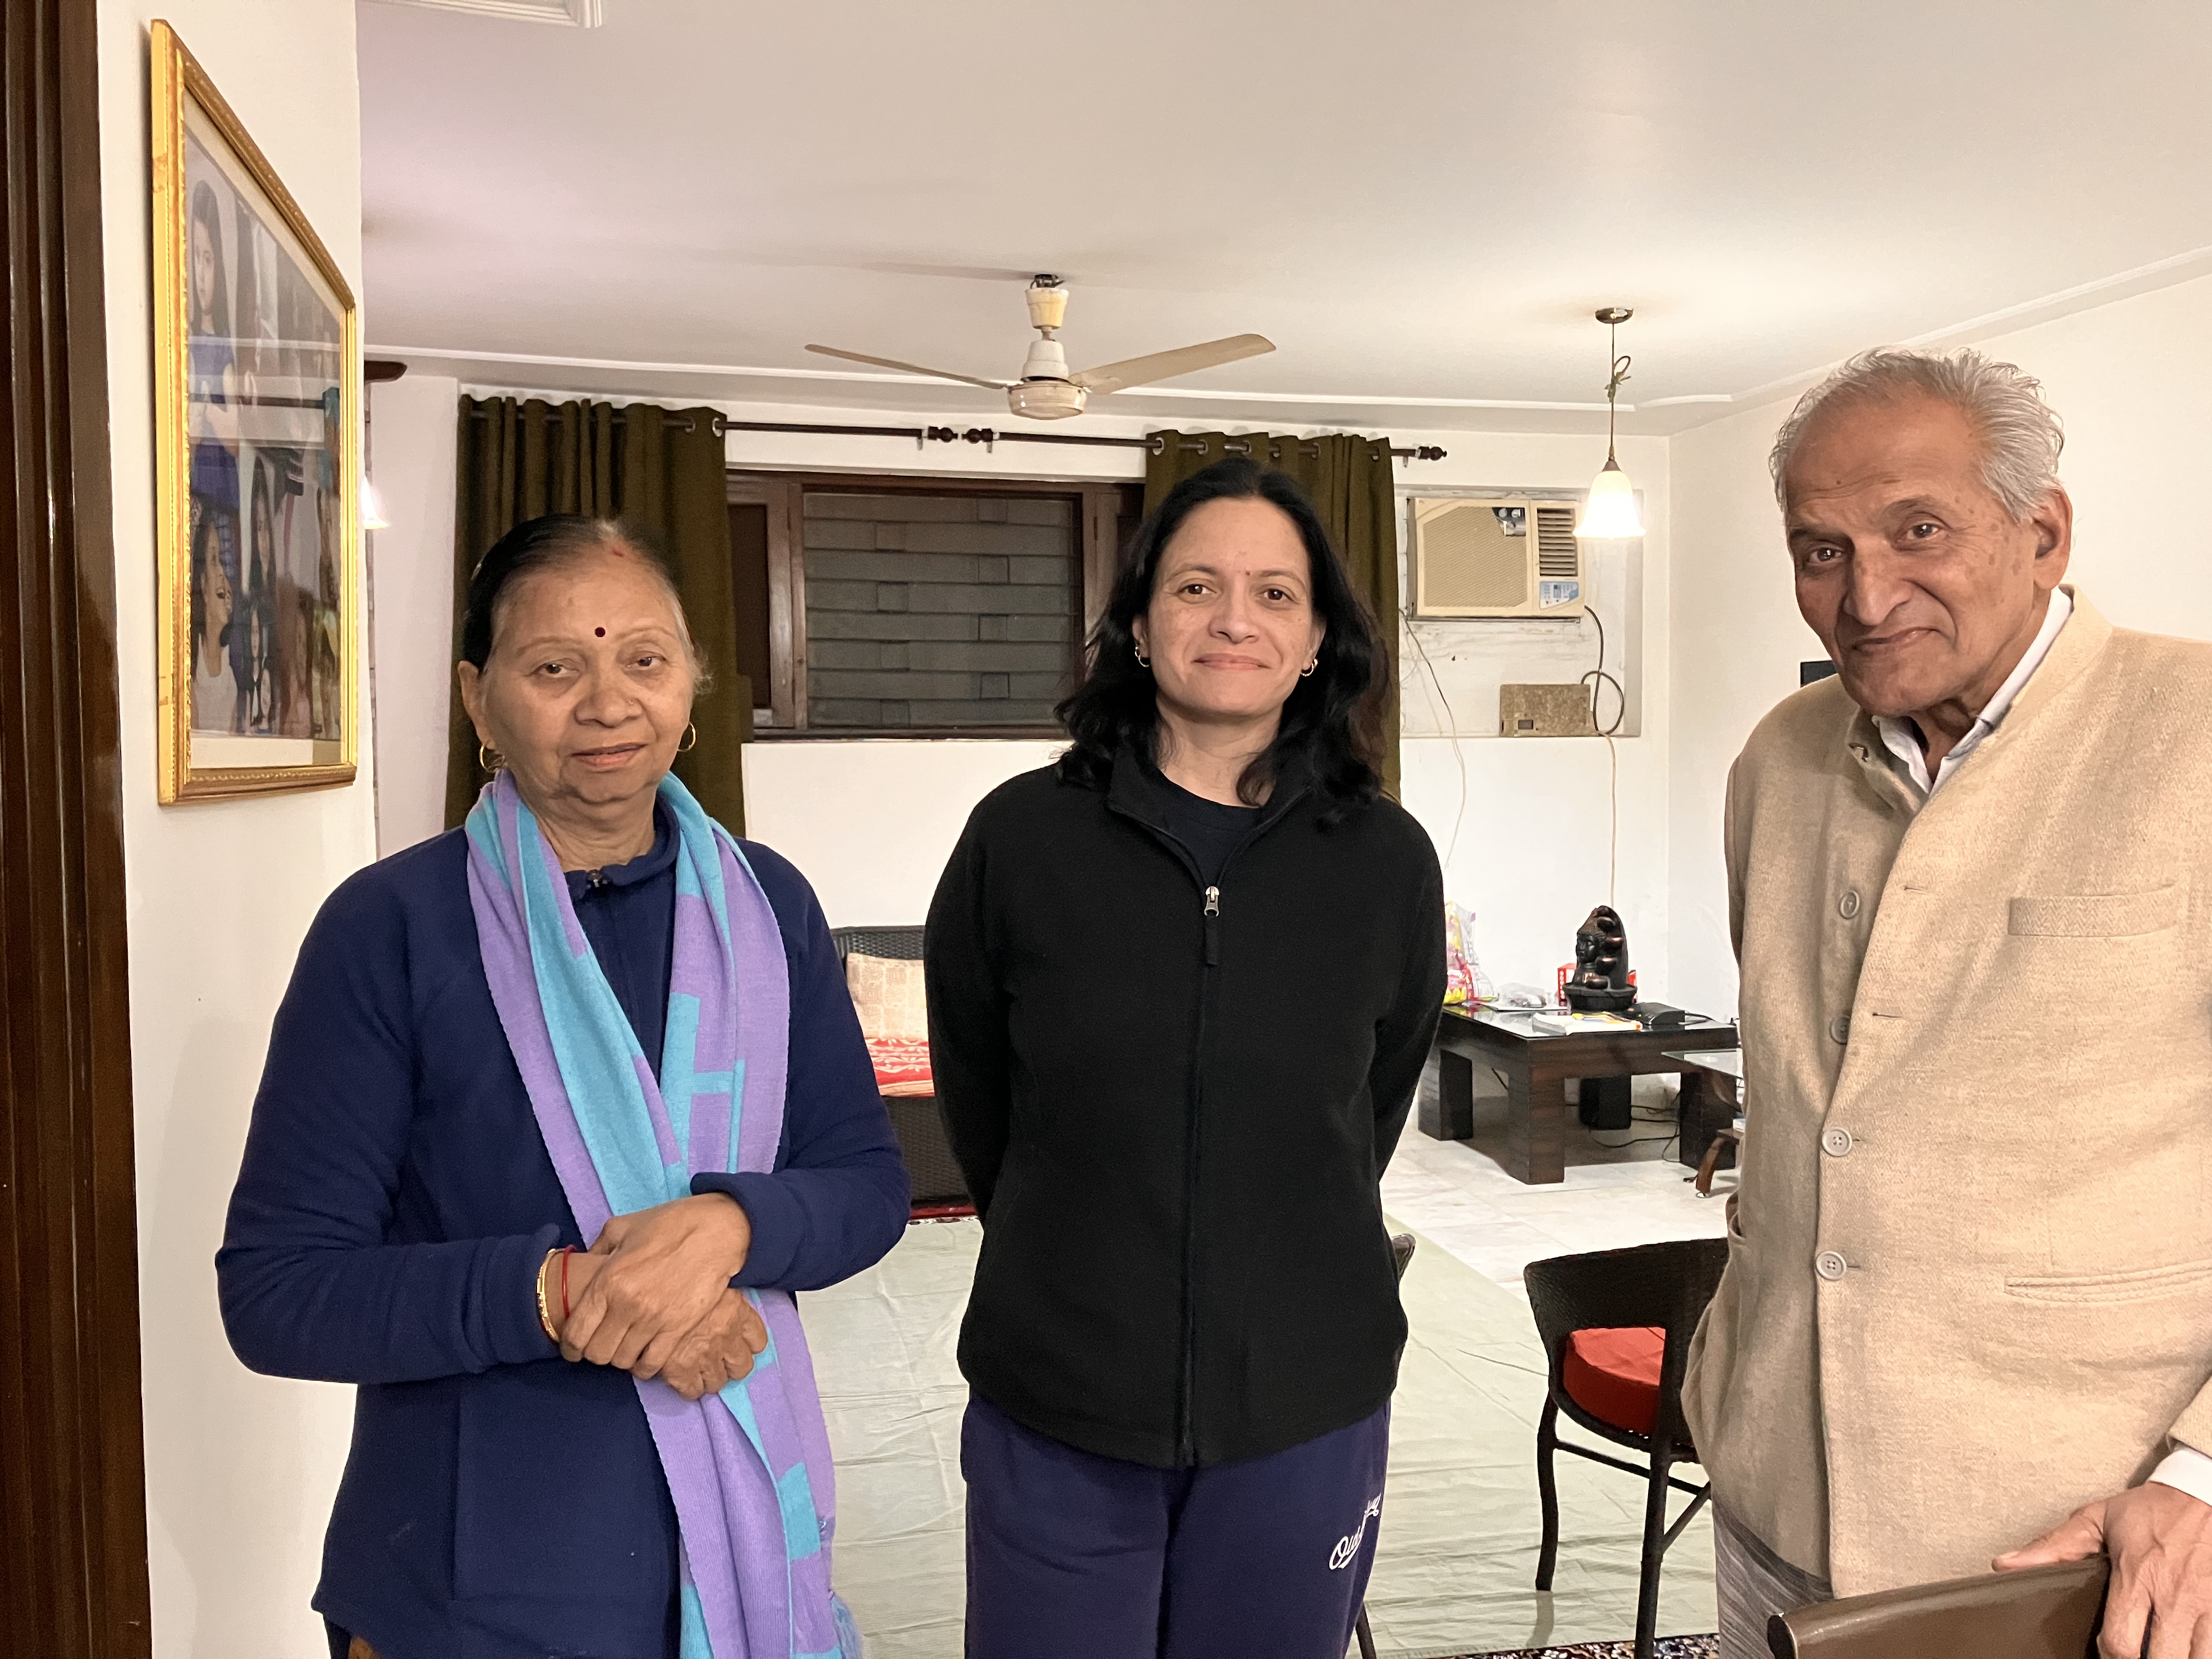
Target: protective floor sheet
{"type": "Point", "coordinates": [1459, 1527]}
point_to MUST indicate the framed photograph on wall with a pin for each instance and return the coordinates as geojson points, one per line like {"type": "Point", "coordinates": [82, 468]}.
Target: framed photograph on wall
{"type": "Point", "coordinates": [257, 418]}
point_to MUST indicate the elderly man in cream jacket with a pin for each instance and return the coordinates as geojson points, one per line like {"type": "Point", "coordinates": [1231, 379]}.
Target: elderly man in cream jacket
{"type": "Point", "coordinates": [1967, 1313]}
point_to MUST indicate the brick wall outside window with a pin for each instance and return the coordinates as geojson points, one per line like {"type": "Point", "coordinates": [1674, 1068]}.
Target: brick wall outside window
{"type": "Point", "coordinates": [938, 611]}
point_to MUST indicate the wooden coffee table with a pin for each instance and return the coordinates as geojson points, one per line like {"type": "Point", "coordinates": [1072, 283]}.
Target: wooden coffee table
{"type": "Point", "coordinates": [1535, 1066]}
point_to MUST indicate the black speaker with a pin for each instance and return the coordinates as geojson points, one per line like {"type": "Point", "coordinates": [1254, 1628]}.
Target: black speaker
{"type": "Point", "coordinates": [1605, 1103]}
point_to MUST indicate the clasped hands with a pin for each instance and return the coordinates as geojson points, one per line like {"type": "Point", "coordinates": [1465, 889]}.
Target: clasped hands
{"type": "Point", "coordinates": [2159, 1539]}
{"type": "Point", "coordinates": [653, 1296]}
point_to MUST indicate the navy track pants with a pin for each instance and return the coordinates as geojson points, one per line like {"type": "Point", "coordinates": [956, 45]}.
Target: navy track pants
{"type": "Point", "coordinates": [1075, 1556]}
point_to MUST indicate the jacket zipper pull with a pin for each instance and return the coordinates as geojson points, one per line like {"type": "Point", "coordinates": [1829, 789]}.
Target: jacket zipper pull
{"type": "Point", "coordinates": [1213, 900]}
{"type": "Point", "coordinates": [1212, 932]}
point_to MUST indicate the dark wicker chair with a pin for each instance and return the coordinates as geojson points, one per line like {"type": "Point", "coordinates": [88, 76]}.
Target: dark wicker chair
{"type": "Point", "coordinates": [929, 1162]}
{"type": "Point", "coordinates": [1401, 1253]}
{"type": "Point", "coordinates": [1666, 1285]}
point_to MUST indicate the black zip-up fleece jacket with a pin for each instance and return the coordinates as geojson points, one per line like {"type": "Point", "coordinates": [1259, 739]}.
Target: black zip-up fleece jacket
{"type": "Point", "coordinates": [1173, 1103]}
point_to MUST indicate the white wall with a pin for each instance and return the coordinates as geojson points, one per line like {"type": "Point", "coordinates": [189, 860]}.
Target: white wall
{"type": "Point", "coordinates": [2133, 382]}
{"type": "Point", "coordinates": [239, 1469]}
{"type": "Point", "coordinates": [872, 823]}
{"type": "Point", "coordinates": [411, 573]}
{"type": "Point", "coordinates": [1532, 851]}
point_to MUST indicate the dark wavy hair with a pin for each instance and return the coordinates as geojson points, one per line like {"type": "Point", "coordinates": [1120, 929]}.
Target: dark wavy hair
{"type": "Point", "coordinates": [542, 543]}
{"type": "Point", "coordinates": [1332, 723]}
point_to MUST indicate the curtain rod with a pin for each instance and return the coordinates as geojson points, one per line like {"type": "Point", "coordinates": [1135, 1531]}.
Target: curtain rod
{"type": "Point", "coordinates": [1155, 443]}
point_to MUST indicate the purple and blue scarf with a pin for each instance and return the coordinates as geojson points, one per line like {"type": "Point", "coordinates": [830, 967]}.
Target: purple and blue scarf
{"type": "Point", "coordinates": [749, 1467]}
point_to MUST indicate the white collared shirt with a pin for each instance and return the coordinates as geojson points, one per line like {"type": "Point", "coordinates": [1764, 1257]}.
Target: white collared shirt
{"type": "Point", "coordinates": [2184, 1468]}
{"type": "Point", "coordinates": [1902, 738]}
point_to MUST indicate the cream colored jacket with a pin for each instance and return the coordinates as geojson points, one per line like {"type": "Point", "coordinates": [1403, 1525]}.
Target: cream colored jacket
{"type": "Point", "coordinates": [1970, 1281]}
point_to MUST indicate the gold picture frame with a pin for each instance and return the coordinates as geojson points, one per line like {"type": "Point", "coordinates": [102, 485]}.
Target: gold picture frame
{"type": "Point", "coordinates": [257, 388]}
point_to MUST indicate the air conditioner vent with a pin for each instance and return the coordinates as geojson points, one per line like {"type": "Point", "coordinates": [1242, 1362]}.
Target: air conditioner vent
{"type": "Point", "coordinates": [1558, 552]}
{"type": "Point", "coordinates": [1495, 556]}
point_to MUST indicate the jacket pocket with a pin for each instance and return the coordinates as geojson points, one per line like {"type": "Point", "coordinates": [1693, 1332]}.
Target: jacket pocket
{"type": "Point", "coordinates": [2139, 1284]}
{"type": "Point", "coordinates": [2097, 915]}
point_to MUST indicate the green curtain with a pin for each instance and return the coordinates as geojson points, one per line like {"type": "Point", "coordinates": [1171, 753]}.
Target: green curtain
{"type": "Point", "coordinates": [1353, 489]}
{"type": "Point", "coordinates": [662, 469]}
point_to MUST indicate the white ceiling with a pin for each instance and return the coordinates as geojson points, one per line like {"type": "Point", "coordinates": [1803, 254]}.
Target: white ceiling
{"type": "Point", "coordinates": [1415, 199]}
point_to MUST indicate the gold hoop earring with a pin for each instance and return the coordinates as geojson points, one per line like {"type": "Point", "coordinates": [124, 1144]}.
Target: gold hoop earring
{"type": "Point", "coordinates": [1306, 674]}
{"type": "Point", "coordinates": [1143, 661]}
{"type": "Point", "coordinates": [488, 759]}
{"type": "Point", "coordinates": [690, 740]}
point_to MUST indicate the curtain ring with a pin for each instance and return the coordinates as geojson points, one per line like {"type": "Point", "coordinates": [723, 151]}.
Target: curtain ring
{"type": "Point", "coordinates": [1306, 674]}
{"type": "Point", "coordinates": [488, 759]}
{"type": "Point", "coordinates": [689, 740]}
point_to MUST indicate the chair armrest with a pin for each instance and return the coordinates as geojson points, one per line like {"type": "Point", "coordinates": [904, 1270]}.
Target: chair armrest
{"type": "Point", "coordinates": [2041, 1613]}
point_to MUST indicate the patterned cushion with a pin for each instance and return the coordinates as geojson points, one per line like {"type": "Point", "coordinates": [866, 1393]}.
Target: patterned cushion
{"type": "Point", "coordinates": [889, 995]}
{"type": "Point", "coordinates": [902, 1066]}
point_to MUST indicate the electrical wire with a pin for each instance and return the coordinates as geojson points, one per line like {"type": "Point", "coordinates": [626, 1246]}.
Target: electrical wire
{"type": "Point", "coordinates": [1596, 676]}
{"type": "Point", "coordinates": [1636, 1140]}
{"type": "Point", "coordinates": [1451, 724]}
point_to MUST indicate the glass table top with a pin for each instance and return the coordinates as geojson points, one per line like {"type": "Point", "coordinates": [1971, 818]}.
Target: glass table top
{"type": "Point", "coordinates": [1728, 1061]}
{"type": "Point", "coordinates": [1520, 1023]}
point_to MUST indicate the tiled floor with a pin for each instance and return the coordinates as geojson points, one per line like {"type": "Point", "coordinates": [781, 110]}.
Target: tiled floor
{"type": "Point", "coordinates": [1457, 1195]}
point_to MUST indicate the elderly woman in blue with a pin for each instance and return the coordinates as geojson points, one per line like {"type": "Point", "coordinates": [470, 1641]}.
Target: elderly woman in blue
{"type": "Point", "coordinates": [591, 1019]}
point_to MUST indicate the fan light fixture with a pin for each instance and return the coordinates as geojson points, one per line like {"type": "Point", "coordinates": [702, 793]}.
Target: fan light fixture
{"type": "Point", "coordinates": [372, 510]}
{"type": "Point", "coordinates": [1609, 511]}
{"type": "Point", "coordinates": [1046, 390]}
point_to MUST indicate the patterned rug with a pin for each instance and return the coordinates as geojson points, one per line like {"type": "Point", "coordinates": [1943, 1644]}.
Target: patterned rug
{"type": "Point", "coordinates": [1670, 1647]}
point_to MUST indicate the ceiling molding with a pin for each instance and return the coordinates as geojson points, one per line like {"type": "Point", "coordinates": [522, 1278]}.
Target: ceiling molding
{"type": "Point", "coordinates": [573, 14]}
{"type": "Point", "coordinates": [2027, 314]}
{"type": "Point", "coordinates": [752, 372]}
{"type": "Point", "coordinates": [2168, 273]}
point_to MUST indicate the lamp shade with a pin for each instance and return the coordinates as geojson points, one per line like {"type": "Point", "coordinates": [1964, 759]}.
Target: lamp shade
{"type": "Point", "coordinates": [1609, 512]}
{"type": "Point", "coordinates": [372, 510]}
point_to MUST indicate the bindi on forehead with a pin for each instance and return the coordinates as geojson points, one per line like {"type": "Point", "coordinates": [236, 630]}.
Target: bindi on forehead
{"type": "Point", "coordinates": [600, 632]}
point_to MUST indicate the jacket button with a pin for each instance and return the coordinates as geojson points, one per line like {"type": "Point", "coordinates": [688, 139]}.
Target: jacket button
{"type": "Point", "coordinates": [1839, 1028]}
{"type": "Point", "coordinates": [1830, 1266]}
{"type": "Point", "coordinates": [1848, 906]}
{"type": "Point", "coordinates": [1836, 1142]}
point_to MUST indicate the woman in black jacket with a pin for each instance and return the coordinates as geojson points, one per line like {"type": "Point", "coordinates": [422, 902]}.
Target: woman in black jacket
{"type": "Point", "coordinates": [1181, 987]}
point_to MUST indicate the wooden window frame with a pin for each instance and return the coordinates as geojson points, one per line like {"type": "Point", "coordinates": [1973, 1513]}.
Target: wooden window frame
{"type": "Point", "coordinates": [1099, 515]}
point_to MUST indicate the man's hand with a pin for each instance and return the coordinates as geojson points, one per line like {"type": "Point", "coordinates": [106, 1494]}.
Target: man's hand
{"type": "Point", "coordinates": [655, 1275]}
{"type": "Point", "coordinates": [718, 1350]}
{"type": "Point", "coordinates": [2159, 1539]}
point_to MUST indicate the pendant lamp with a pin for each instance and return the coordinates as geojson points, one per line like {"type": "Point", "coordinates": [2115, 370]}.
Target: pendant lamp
{"type": "Point", "coordinates": [1609, 511]}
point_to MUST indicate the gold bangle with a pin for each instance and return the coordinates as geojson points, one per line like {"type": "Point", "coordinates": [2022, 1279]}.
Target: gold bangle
{"type": "Point", "coordinates": [544, 1311]}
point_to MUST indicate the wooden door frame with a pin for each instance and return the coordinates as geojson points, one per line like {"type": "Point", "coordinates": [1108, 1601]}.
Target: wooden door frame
{"type": "Point", "coordinates": [73, 1580]}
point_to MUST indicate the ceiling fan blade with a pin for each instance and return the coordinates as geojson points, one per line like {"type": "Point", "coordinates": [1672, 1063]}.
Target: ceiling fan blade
{"type": "Point", "coordinates": [1166, 365]}
{"type": "Point", "coordinates": [908, 368]}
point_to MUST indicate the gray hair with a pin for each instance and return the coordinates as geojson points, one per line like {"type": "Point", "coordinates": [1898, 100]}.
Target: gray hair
{"type": "Point", "coordinates": [2020, 434]}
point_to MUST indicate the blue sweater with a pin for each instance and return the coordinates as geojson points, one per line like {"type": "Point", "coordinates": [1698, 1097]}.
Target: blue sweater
{"type": "Point", "coordinates": [394, 1205]}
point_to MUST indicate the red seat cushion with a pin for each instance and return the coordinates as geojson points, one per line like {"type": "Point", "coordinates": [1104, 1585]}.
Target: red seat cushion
{"type": "Point", "coordinates": [1613, 1375]}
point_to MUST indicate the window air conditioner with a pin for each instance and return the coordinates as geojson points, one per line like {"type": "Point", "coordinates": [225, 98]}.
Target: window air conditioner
{"type": "Point", "coordinates": [1496, 555]}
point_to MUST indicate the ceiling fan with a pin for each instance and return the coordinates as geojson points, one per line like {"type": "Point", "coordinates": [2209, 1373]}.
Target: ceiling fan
{"type": "Point", "coordinates": [1046, 390]}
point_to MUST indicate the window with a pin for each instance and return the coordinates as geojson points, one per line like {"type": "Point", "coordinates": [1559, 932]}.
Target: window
{"type": "Point", "coordinates": [874, 606]}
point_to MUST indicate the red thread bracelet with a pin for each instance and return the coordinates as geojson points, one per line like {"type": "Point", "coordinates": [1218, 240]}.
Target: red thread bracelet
{"type": "Point", "coordinates": [567, 1250]}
